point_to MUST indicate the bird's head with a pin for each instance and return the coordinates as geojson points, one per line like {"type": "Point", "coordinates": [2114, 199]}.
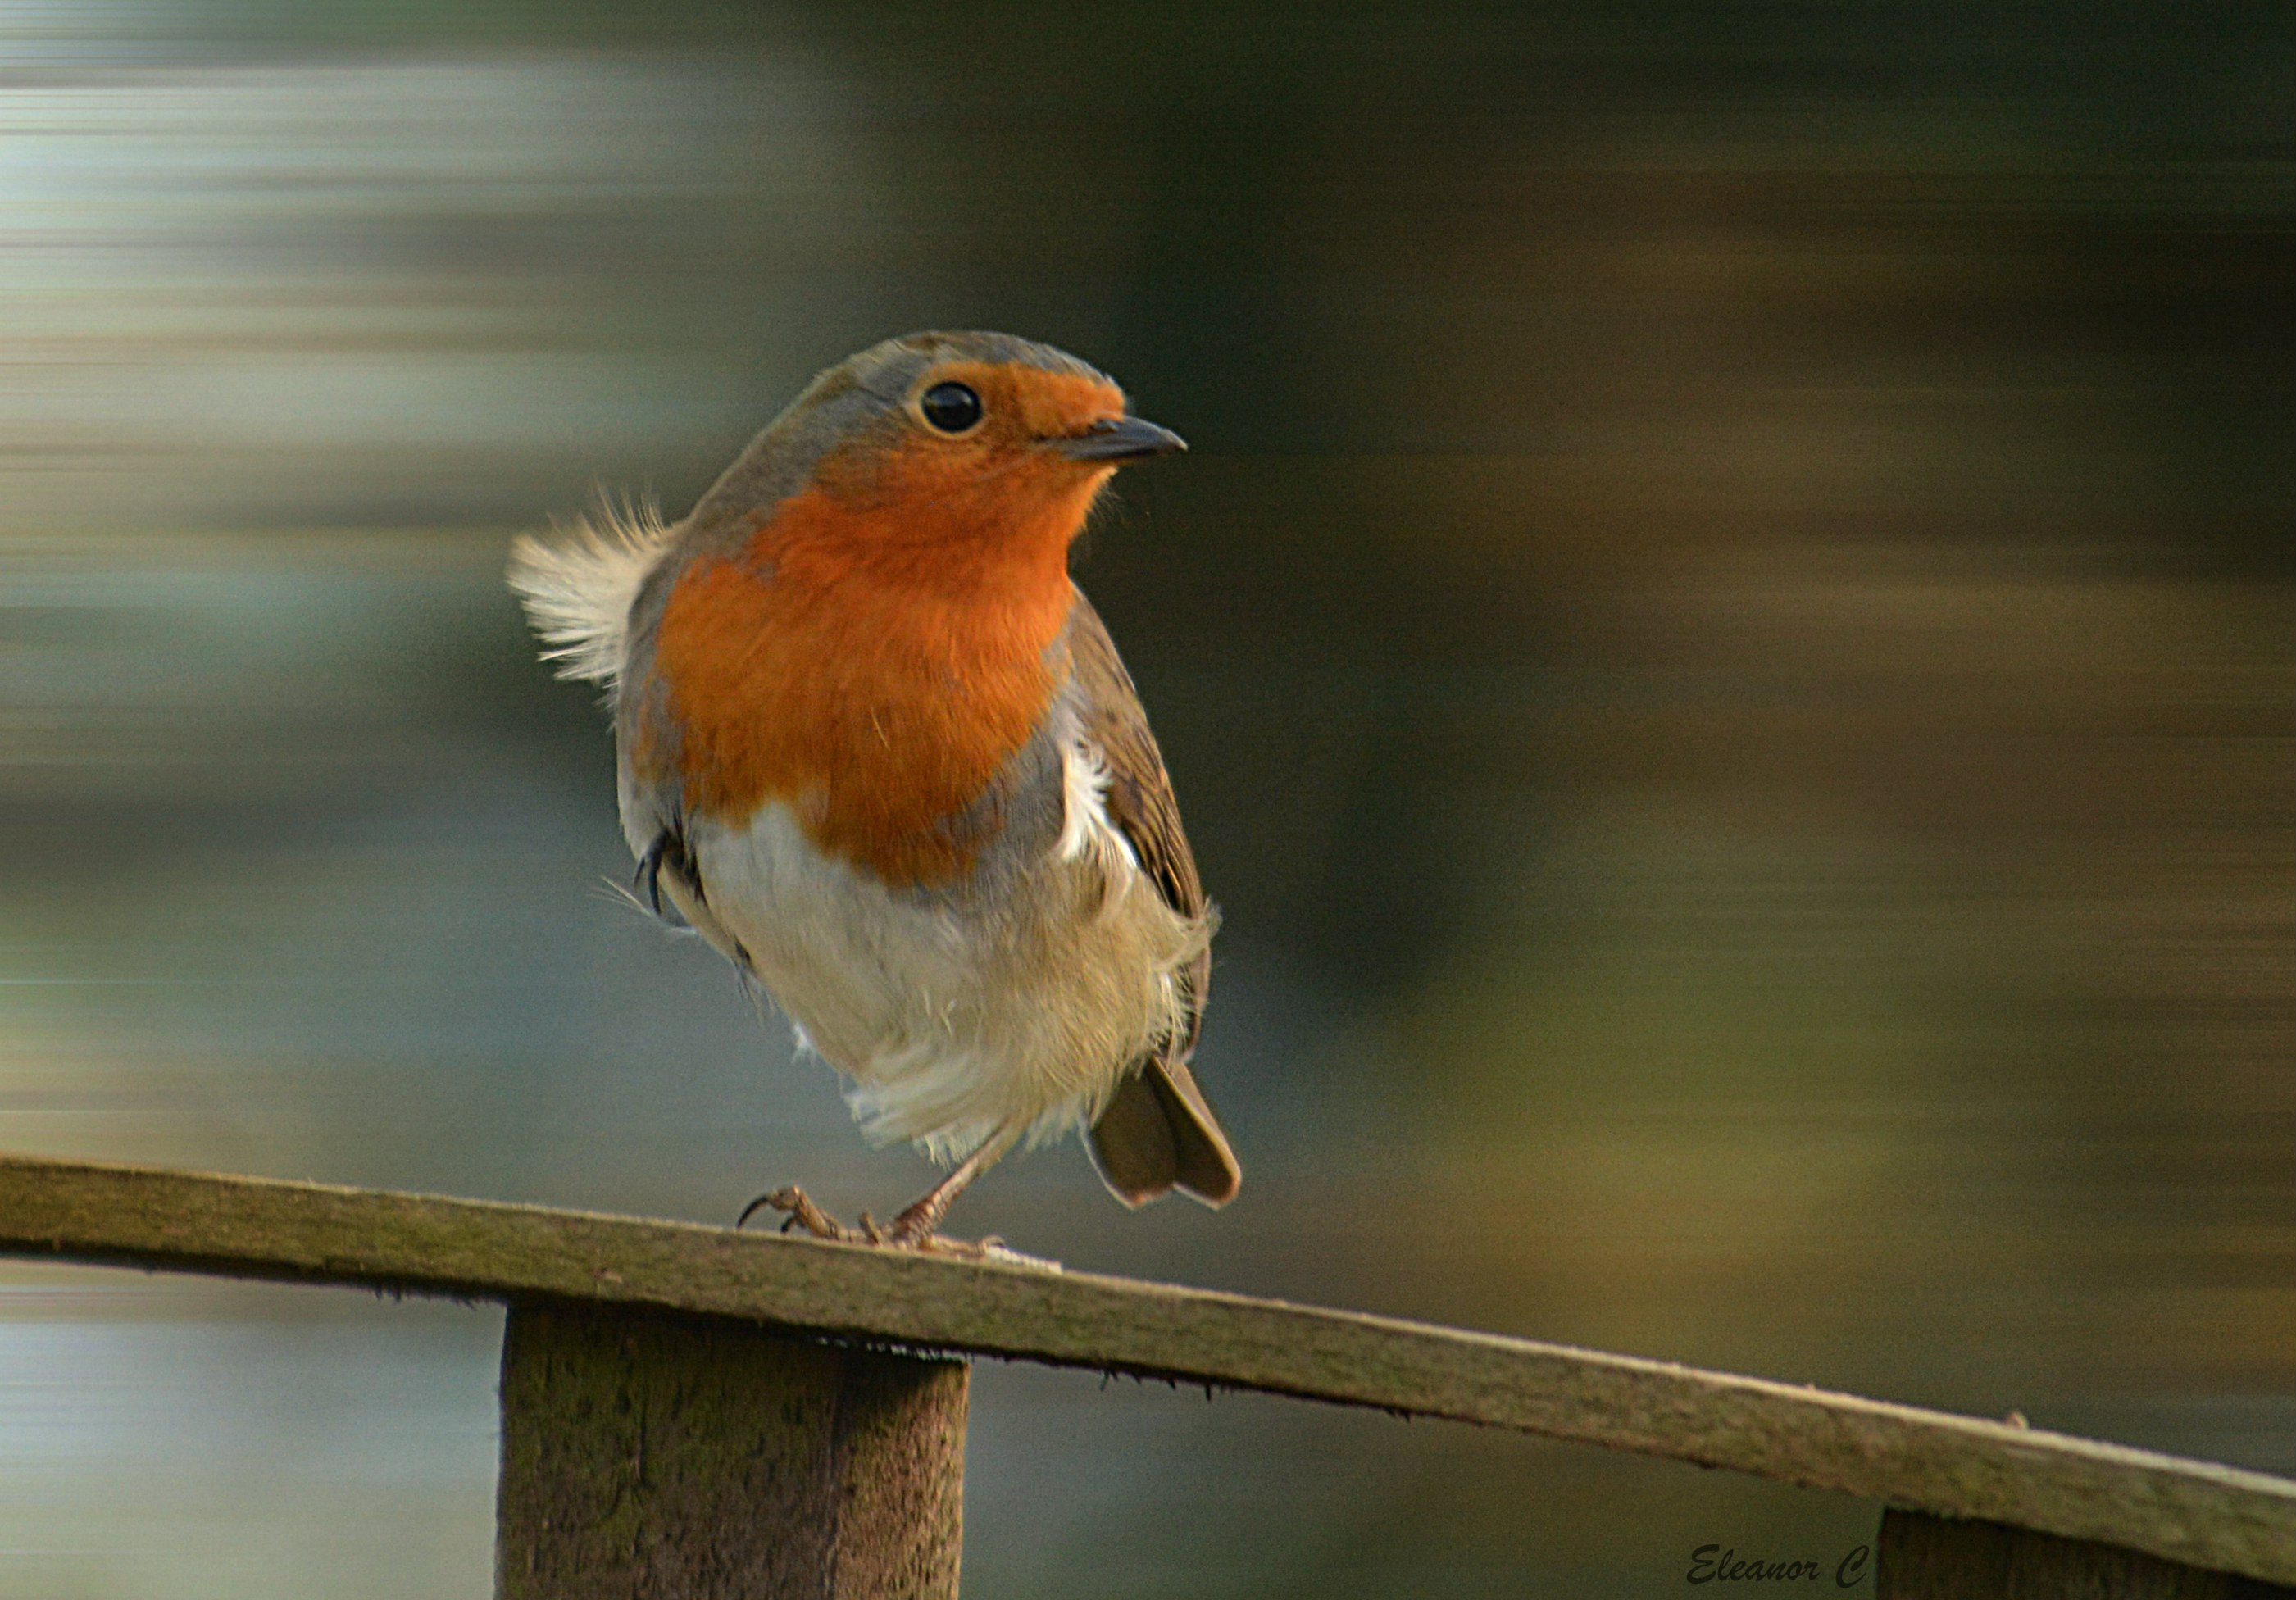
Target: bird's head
{"type": "Point", "coordinates": [948, 449]}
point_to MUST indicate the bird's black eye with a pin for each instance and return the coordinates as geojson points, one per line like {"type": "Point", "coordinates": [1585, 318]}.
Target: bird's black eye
{"type": "Point", "coordinates": [951, 408]}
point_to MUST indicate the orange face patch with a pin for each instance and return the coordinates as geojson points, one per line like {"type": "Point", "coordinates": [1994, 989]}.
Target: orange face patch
{"type": "Point", "coordinates": [877, 653]}
{"type": "Point", "coordinates": [1022, 408]}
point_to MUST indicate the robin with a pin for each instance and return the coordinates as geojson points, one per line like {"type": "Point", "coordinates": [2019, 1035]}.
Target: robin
{"type": "Point", "coordinates": [878, 749]}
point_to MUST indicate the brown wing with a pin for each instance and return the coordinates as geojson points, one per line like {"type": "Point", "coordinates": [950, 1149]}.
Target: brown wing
{"type": "Point", "coordinates": [1158, 1133]}
{"type": "Point", "coordinates": [1139, 791]}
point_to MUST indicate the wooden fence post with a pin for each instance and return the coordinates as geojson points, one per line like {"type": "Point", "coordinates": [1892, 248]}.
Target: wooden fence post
{"type": "Point", "coordinates": [1923, 1557]}
{"type": "Point", "coordinates": [673, 1457]}
{"type": "Point", "coordinates": [671, 1428]}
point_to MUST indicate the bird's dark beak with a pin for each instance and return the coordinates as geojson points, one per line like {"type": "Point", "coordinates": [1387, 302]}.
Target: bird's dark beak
{"type": "Point", "coordinates": [1126, 438]}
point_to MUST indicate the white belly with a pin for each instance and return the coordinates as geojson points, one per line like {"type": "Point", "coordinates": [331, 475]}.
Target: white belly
{"type": "Point", "coordinates": [1017, 1006]}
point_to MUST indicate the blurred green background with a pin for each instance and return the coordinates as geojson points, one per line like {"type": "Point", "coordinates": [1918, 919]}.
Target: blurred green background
{"type": "Point", "coordinates": [1726, 642]}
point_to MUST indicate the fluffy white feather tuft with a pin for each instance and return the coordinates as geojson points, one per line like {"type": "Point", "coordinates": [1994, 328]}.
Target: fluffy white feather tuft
{"type": "Point", "coordinates": [578, 586]}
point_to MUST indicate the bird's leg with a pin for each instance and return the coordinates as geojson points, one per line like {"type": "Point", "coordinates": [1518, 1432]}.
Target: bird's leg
{"type": "Point", "coordinates": [803, 1213]}
{"type": "Point", "coordinates": [913, 1228]}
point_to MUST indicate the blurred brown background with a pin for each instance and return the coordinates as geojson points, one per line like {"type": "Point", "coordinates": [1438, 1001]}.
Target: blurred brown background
{"type": "Point", "coordinates": [1726, 642]}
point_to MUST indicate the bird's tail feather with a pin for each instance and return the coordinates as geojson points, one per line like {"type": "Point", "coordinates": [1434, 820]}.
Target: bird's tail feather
{"type": "Point", "coordinates": [1159, 1134]}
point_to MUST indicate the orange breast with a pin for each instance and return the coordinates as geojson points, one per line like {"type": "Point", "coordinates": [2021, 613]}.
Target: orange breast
{"type": "Point", "coordinates": [871, 663]}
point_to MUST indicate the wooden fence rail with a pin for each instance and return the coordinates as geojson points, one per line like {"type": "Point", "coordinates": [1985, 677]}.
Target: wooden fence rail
{"type": "Point", "coordinates": [690, 1411]}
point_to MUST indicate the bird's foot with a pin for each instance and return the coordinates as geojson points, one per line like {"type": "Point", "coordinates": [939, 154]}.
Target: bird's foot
{"type": "Point", "coordinates": [992, 1250]}
{"type": "Point", "coordinates": [912, 1230]}
{"type": "Point", "coordinates": [801, 1212]}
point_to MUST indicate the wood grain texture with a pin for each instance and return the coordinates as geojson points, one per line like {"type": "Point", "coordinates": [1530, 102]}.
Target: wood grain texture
{"type": "Point", "coordinates": [647, 1456]}
{"type": "Point", "coordinates": [1923, 1557]}
{"type": "Point", "coordinates": [2202, 1514]}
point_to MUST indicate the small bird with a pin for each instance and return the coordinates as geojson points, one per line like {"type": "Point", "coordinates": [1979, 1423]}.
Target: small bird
{"type": "Point", "coordinates": [876, 747]}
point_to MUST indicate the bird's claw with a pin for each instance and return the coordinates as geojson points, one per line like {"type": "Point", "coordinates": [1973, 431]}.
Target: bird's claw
{"type": "Point", "coordinates": [802, 1213]}
{"type": "Point", "coordinates": [906, 1231]}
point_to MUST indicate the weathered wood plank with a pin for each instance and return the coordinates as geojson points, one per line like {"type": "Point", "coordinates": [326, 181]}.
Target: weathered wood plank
{"type": "Point", "coordinates": [2205, 1515]}
{"type": "Point", "coordinates": [1923, 1557]}
{"type": "Point", "coordinates": [650, 1456]}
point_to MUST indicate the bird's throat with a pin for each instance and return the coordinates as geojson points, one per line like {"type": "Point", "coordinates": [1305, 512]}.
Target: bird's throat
{"type": "Point", "coordinates": [872, 674]}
